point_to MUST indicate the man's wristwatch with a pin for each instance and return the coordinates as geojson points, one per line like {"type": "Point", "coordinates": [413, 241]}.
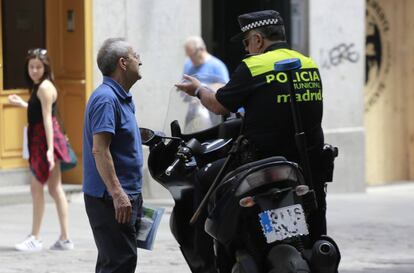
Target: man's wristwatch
{"type": "Point", "coordinates": [197, 91]}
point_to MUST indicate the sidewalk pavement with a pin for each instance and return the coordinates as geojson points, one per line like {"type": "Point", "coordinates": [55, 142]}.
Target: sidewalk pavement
{"type": "Point", "coordinates": [375, 231]}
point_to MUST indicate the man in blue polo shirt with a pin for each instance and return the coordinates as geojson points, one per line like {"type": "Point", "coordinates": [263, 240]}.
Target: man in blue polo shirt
{"type": "Point", "coordinates": [112, 159]}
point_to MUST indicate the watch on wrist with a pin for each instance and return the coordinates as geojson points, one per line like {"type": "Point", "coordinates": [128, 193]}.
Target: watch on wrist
{"type": "Point", "coordinates": [197, 91]}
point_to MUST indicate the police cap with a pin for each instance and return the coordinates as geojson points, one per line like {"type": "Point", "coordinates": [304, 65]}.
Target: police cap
{"type": "Point", "coordinates": [252, 20]}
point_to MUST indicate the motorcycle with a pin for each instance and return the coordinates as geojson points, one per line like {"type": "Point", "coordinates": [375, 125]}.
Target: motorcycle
{"type": "Point", "coordinates": [257, 213]}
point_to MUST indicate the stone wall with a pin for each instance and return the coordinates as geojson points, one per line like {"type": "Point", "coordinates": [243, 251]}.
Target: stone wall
{"type": "Point", "coordinates": [157, 29]}
{"type": "Point", "coordinates": [336, 42]}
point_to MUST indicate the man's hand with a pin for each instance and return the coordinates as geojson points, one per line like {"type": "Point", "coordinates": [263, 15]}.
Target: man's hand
{"type": "Point", "coordinates": [189, 85]}
{"type": "Point", "coordinates": [123, 207]}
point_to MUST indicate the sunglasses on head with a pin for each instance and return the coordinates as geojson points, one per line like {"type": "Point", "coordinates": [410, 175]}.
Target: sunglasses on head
{"type": "Point", "coordinates": [37, 51]}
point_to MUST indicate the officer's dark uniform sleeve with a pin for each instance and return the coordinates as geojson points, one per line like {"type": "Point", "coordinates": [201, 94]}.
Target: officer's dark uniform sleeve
{"type": "Point", "coordinates": [236, 92]}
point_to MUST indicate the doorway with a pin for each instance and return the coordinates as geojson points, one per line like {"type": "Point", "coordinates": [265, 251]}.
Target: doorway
{"type": "Point", "coordinates": [60, 26]}
{"type": "Point", "coordinates": [219, 24]}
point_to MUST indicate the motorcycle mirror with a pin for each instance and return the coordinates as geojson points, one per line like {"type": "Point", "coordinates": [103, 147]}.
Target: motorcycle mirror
{"type": "Point", "coordinates": [195, 146]}
{"type": "Point", "coordinates": [146, 135]}
{"type": "Point", "coordinates": [175, 129]}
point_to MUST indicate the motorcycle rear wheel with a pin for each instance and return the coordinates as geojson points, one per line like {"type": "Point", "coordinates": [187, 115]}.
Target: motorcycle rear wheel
{"type": "Point", "coordinates": [286, 259]}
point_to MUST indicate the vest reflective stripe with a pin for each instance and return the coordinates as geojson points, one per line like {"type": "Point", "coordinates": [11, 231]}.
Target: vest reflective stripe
{"type": "Point", "coordinates": [263, 63]}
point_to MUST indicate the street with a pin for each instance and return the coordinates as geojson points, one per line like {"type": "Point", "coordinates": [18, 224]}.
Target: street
{"type": "Point", "coordinates": [374, 230]}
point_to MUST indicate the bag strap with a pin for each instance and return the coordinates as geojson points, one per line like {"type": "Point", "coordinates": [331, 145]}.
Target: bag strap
{"type": "Point", "coordinates": [61, 124]}
{"type": "Point", "coordinates": [60, 121]}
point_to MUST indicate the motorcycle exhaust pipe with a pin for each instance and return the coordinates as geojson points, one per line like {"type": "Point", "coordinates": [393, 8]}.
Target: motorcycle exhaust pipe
{"type": "Point", "coordinates": [325, 249]}
{"type": "Point", "coordinates": [325, 257]}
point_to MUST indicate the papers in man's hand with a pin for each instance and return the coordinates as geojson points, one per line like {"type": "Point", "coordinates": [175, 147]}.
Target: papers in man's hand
{"type": "Point", "coordinates": [150, 221]}
{"type": "Point", "coordinates": [25, 149]}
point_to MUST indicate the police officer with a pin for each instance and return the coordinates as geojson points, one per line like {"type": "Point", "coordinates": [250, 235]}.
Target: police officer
{"type": "Point", "coordinates": [264, 95]}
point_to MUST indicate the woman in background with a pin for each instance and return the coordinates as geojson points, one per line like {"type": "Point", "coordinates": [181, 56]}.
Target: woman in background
{"type": "Point", "coordinates": [47, 148]}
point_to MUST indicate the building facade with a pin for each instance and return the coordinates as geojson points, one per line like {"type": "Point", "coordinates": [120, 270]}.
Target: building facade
{"type": "Point", "coordinates": [360, 102]}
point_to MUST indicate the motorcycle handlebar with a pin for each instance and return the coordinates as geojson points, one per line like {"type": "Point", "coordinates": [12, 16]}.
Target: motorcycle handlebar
{"type": "Point", "coordinates": [171, 168]}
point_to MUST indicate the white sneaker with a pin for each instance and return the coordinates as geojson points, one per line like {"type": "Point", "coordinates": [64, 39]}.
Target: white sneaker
{"type": "Point", "coordinates": [63, 245]}
{"type": "Point", "coordinates": [29, 244]}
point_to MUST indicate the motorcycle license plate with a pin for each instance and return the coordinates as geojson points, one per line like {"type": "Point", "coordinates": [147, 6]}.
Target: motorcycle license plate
{"type": "Point", "coordinates": [282, 223]}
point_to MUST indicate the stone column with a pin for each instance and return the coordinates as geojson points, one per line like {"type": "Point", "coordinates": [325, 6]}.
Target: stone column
{"type": "Point", "coordinates": [337, 44]}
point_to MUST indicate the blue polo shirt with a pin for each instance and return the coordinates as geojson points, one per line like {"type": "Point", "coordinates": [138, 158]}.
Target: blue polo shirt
{"type": "Point", "coordinates": [111, 109]}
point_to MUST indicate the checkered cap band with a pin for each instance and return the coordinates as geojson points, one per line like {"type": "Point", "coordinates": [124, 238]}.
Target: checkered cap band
{"type": "Point", "coordinates": [259, 24]}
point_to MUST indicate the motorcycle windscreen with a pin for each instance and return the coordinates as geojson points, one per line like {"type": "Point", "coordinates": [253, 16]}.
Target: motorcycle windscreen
{"type": "Point", "coordinates": [188, 111]}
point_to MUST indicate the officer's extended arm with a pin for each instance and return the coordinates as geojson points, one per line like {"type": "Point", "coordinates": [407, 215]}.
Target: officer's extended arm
{"type": "Point", "coordinates": [193, 87]}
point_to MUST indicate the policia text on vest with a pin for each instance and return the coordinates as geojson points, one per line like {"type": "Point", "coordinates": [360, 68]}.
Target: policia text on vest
{"type": "Point", "coordinates": [302, 82]}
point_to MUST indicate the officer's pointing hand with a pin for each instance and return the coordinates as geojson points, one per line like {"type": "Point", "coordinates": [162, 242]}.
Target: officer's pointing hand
{"type": "Point", "coordinates": [189, 85]}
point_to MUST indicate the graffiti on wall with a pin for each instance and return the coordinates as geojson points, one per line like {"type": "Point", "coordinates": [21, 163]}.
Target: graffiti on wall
{"type": "Point", "coordinates": [339, 54]}
{"type": "Point", "coordinates": [377, 53]}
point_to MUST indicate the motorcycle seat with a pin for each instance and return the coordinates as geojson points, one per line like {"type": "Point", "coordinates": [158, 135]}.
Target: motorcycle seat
{"type": "Point", "coordinates": [253, 164]}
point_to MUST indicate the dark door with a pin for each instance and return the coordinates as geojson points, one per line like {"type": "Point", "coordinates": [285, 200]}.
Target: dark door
{"type": "Point", "coordinates": [219, 24]}
{"type": "Point", "coordinates": [23, 28]}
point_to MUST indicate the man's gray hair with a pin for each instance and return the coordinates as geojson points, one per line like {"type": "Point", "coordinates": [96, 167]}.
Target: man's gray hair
{"type": "Point", "coordinates": [195, 42]}
{"type": "Point", "coordinates": [108, 55]}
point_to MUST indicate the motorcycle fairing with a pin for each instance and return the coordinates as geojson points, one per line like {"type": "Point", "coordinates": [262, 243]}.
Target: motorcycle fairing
{"type": "Point", "coordinates": [224, 203]}
{"type": "Point", "coordinates": [285, 174]}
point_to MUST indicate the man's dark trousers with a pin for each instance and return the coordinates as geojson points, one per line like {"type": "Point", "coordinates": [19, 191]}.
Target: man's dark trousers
{"type": "Point", "coordinates": [116, 243]}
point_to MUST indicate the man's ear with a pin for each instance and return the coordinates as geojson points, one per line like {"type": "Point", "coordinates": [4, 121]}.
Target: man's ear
{"type": "Point", "coordinates": [122, 63]}
{"type": "Point", "coordinates": [260, 41]}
